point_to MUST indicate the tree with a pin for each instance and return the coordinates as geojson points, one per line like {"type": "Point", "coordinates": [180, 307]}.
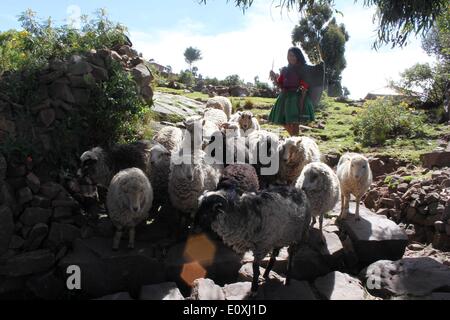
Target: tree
{"type": "Point", "coordinates": [186, 77]}
{"type": "Point", "coordinates": [233, 80]}
{"type": "Point", "coordinates": [397, 19]}
{"type": "Point", "coordinates": [191, 55]}
{"type": "Point", "coordinates": [425, 81]}
{"type": "Point", "coordinates": [345, 92]}
{"type": "Point", "coordinates": [318, 27]}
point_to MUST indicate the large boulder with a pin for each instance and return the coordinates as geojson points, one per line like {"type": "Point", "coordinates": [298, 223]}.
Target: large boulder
{"type": "Point", "coordinates": [340, 286]}
{"type": "Point", "coordinates": [374, 237]}
{"type": "Point", "coordinates": [206, 289]}
{"type": "Point", "coordinates": [435, 159]}
{"type": "Point", "coordinates": [417, 277]}
{"type": "Point", "coordinates": [107, 272]}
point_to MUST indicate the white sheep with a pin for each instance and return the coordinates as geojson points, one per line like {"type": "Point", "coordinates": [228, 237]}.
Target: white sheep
{"type": "Point", "coordinates": [193, 138]}
{"type": "Point", "coordinates": [295, 154]}
{"type": "Point", "coordinates": [170, 137]}
{"type": "Point", "coordinates": [221, 103]}
{"type": "Point", "coordinates": [216, 116]}
{"type": "Point", "coordinates": [355, 176]}
{"type": "Point", "coordinates": [262, 147]}
{"type": "Point", "coordinates": [130, 197]}
{"type": "Point", "coordinates": [247, 122]}
{"type": "Point", "coordinates": [198, 132]}
{"type": "Point", "coordinates": [190, 176]}
{"type": "Point", "coordinates": [321, 186]}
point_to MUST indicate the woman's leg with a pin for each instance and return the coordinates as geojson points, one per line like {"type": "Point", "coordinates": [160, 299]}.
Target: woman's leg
{"type": "Point", "coordinates": [295, 129]}
{"type": "Point", "coordinates": [288, 128]}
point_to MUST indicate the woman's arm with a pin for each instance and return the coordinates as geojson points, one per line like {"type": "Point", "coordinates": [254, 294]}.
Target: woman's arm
{"type": "Point", "coordinates": [277, 79]}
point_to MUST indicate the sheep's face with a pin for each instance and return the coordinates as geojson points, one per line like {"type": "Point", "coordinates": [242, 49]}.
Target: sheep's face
{"type": "Point", "coordinates": [292, 153]}
{"type": "Point", "coordinates": [359, 167]}
{"type": "Point", "coordinates": [245, 120]}
{"type": "Point", "coordinates": [158, 155]}
{"type": "Point", "coordinates": [188, 171]}
{"type": "Point", "coordinates": [312, 180]}
{"type": "Point", "coordinates": [210, 205]}
{"type": "Point", "coordinates": [88, 167]}
{"type": "Point", "coordinates": [135, 197]}
{"type": "Point", "coordinates": [231, 130]}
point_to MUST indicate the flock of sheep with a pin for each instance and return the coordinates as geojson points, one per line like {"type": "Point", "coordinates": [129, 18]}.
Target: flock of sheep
{"type": "Point", "coordinates": [217, 173]}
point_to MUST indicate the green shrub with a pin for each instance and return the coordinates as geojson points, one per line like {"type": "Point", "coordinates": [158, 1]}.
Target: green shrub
{"type": "Point", "coordinates": [187, 78]}
{"type": "Point", "coordinates": [248, 104]}
{"type": "Point", "coordinates": [41, 40]}
{"type": "Point", "coordinates": [384, 119]}
{"type": "Point", "coordinates": [115, 109]}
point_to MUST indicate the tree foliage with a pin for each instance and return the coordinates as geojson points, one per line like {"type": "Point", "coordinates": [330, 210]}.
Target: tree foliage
{"type": "Point", "coordinates": [317, 29]}
{"type": "Point", "coordinates": [40, 40]}
{"type": "Point", "coordinates": [425, 81]}
{"type": "Point", "coordinates": [191, 55]}
{"type": "Point", "coordinates": [396, 19]}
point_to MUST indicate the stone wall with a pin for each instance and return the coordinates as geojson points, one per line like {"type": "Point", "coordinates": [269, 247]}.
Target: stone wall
{"type": "Point", "coordinates": [424, 205]}
{"type": "Point", "coordinates": [40, 214]}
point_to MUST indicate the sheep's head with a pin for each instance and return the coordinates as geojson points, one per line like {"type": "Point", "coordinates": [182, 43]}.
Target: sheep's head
{"type": "Point", "coordinates": [89, 161]}
{"type": "Point", "coordinates": [159, 154]}
{"type": "Point", "coordinates": [134, 193]}
{"type": "Point", "coordinates": [231, 130]}
{"type": "Point", "coordinates": [292, 152]}
{"type": "Point", "coordinates": [359, 167]}
{"type": "Point", "coordinates": [313, 177]}
{"type": "Point", "coordinates": [245, 120]}
{"type": "Point", "coordinates": [186, 165]}
{"type": "Point", "coordinates": [194, 131]}
{"type": "Point", "coordinates": [211, 204]}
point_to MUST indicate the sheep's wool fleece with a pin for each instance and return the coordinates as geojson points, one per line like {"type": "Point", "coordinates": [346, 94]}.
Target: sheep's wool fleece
{"type": "Point", "coordinates": [133, 180]}
{"type": "Point", "coordinates": [349, 183]}
{"type": "Point", "coordinates": [263, 221]}
{"type": "Point", "coordinates": [327, 196]}
{"type": "Point", "coordinates": [184, 192]}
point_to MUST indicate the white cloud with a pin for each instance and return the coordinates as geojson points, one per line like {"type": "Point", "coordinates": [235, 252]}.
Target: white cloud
{"type": "Point", "coordinates": [265, 37]}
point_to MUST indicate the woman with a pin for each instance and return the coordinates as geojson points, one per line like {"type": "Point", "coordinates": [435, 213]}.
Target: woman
{"type": "Point", "coordinates": [293, 105]}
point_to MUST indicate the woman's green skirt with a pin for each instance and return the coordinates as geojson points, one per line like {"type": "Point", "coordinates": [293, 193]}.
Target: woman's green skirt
{"type": "Point", "coordinates": [286, 109]}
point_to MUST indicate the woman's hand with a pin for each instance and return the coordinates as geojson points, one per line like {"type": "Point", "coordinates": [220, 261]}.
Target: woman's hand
{"type": "Point", "coordinates": [273, 75]}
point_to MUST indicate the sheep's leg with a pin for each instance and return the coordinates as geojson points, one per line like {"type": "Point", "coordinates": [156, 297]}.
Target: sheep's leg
{"type": "Point", "coordinates": [357, 218]}
{"type": "Point", "coordinates": [343, 214]}
{"type": "Point", "coordinates": [291, 251]}
{"type": "Point", "coordinates": [132, 236]}
{"type": "Point", "coordinates": [322, 238]}
{"type": "Point", "coordinates": [346, 205]}
{"type": "Point", "coordinates": [313, 221]}
{"type": "Point", "coordinates": [273, 257]}
{"type": "Point", "coordinates": [255, 277]}
{"type": "Point", "coordinates": [117, 237]}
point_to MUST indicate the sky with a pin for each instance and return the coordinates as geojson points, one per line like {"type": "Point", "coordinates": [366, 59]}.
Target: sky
{"type": "Point", "coordinates": [232, 42]}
